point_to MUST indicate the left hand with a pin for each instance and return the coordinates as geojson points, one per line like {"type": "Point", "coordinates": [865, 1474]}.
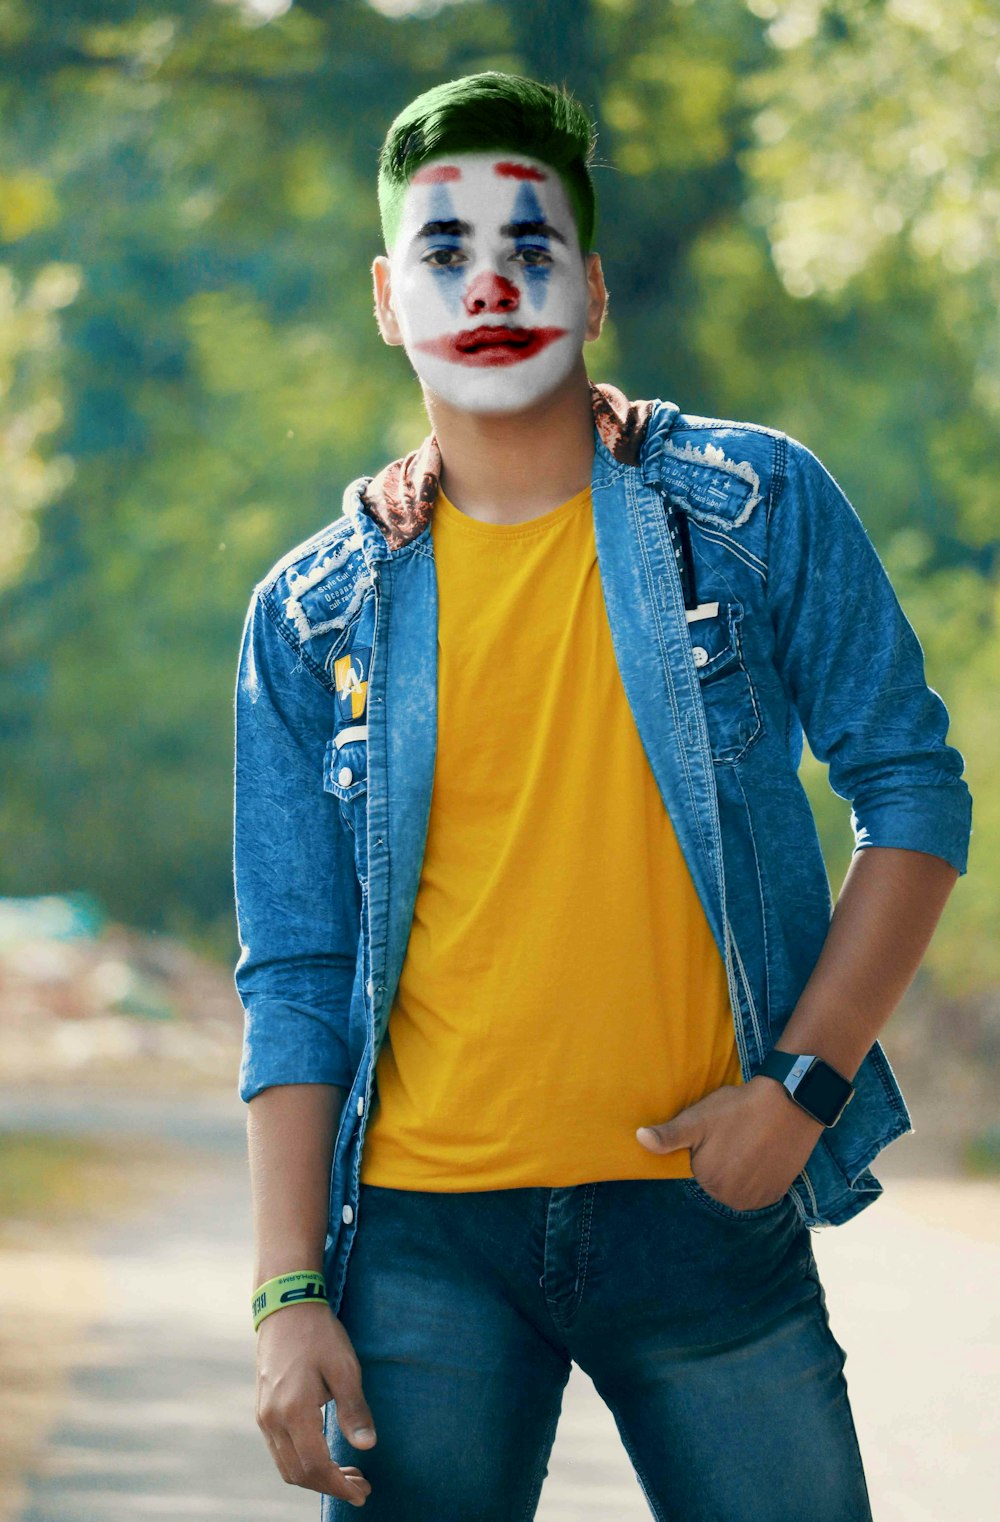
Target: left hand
{"type": "Point", "coordinates": [748, 1142]}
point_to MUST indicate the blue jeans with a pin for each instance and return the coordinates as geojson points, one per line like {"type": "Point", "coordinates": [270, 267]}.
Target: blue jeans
{"type": "Point", "coordinates": [704, 1330]}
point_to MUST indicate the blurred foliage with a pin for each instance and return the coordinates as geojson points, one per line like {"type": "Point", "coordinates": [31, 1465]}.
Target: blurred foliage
{"type": "Point", "coordinates": [798, 223]}
{"type": "Point", "coordinates": [44, 1178]}
{"type": "Point", "coordinates": [981, 1155]}
{"type": "Point", "coordinates": [30, 393]}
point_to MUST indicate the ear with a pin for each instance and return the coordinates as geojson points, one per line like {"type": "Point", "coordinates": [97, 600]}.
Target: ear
{"type": "Point", "coordinates": [385, 314]}
{"type": "Point", "coordinates": [597, 298]}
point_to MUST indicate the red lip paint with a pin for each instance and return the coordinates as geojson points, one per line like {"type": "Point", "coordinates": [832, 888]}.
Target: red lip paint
{"type": "Point", "coordinates": [514, 345]}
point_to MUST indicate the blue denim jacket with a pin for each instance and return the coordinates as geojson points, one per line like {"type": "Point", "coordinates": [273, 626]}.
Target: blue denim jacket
{"type": "Point", "coordinates": [797, 628]}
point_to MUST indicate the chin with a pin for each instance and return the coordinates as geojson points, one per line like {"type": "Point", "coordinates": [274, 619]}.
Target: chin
{"type": "Point", "coordinates": [500, 395]}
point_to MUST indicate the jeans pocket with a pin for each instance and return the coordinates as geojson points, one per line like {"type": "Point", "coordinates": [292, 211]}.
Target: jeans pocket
{"type": "Point", "coordinates": [701, 1196]}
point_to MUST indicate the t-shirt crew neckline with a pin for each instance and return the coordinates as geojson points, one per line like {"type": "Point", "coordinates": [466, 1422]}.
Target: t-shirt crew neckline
{"type": "Point", "coordinates": [507, 531]}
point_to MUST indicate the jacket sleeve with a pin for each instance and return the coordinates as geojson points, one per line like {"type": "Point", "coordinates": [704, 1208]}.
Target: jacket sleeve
{"type": "Point", "coordinates": [853, 667]}
{"type": "Point", "coordinates": [296, 887]}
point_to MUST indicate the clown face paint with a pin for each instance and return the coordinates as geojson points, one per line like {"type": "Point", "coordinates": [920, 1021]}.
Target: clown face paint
{"type": "Point", "coordinates": [488, 283]}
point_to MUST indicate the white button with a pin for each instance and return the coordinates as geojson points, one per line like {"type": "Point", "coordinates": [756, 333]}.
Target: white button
{"type": "Point", "coordinates": [700, 655]}
{"type": "Point", "coordinates": [345, 776]}
{"type": "Point", "coordinates": [348, 1215]}
{"type": "Point", "coordinates": [370, 986]}
{"type": "Point", "coordinates": [361, 1104]}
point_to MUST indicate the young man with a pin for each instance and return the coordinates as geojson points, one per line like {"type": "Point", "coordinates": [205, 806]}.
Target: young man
{"type": "Point", "coordinates": [550, 1034]}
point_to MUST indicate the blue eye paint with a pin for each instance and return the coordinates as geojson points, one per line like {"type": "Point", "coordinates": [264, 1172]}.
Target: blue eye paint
{"type": "Point", "coordinates": [528, 208]}
{"type": "Point", "coordinates": [450, 278]}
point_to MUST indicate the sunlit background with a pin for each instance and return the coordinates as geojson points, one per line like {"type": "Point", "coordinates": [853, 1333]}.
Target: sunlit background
{"type": "Point", "coordinates": [799, 209]}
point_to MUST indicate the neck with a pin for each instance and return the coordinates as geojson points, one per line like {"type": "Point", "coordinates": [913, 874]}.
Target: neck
{"type": "Point", "coordinates": [509, 467]}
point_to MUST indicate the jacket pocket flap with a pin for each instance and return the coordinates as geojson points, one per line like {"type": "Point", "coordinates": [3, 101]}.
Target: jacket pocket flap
{"type": "Point", "coordinates": [345, 762]}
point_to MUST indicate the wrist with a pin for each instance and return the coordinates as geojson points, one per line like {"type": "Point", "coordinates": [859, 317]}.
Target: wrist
{"type": "Point", "coordinates": [290, 1260]}
{"type": "Point", "coordinates": [813, 1084]}
{"type": "Point", "coordinates": [299, 1287]}
{"type": "Point", "coordinates": [779, 1108]}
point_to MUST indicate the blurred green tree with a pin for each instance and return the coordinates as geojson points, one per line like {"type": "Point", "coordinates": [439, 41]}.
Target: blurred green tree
{"type": "Point", "coordinates": [797, 203]}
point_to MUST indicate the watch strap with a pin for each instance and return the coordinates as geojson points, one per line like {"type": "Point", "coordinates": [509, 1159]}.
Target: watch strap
{"type": "Point", "coordinates": [783, 1065]}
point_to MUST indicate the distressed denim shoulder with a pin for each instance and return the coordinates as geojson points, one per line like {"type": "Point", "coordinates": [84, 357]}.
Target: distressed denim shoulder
{"type": "Point", "coordinates": [315, 591]}
{"type": "Point", "coordinates": [719, 470]}
{"type": "Point", "coordinates": [722, 476]}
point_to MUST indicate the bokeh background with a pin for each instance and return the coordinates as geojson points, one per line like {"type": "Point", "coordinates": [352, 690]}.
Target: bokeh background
{"type": "Point", "coordinates": [799, 206]}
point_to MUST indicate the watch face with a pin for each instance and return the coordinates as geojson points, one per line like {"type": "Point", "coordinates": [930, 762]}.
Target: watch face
{"type": "Point", "coordinates": [823, 1092]}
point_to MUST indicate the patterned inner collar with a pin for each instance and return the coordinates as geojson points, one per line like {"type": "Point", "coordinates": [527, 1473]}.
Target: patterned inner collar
{"type": "Point", "coordinates": [401, 497]}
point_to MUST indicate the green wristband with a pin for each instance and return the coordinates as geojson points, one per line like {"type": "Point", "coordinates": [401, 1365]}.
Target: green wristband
{"type": "Point", "coordinates": [287, 1289]}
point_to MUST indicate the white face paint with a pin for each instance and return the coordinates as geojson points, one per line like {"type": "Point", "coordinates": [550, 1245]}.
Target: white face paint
{"type": "Point", "coordinates": [488, 283]}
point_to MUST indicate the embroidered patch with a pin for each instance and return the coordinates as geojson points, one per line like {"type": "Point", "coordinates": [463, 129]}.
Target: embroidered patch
{"type": "Point", "coordinates": [712, 487]}
{"type": "Point", "coordinates": [350, 674]}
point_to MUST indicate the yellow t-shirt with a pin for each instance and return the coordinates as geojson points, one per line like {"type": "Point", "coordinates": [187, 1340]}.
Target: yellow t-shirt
{"type": "Point", "coordinates": [561, 984]}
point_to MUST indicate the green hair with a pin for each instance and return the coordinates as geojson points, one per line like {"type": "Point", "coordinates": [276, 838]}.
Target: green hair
{"type": "Point", "coordinates": [491, 111]}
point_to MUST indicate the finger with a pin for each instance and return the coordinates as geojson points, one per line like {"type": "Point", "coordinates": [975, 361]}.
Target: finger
{"type": "Point", "coordinates": [281, 1452]}
{"type": "Point", "coordinates": [685, 1129]}
{"type": "Point", "coordinates": [316, 1469]}
{"type": "Point", "coordinates": [670, 1136]}
{"type": "Point", "coordinates": [354, 1417]}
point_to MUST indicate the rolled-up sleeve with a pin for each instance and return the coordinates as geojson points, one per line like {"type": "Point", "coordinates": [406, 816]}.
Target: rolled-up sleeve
{"type": "Point", "coordinates": [853, 668]}
{"type": "Point", "coordinates": [296, 888]}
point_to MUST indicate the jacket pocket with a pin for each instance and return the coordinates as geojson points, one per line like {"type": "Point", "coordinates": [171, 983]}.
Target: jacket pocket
{"type": "Point", "coordinates": [731, 709]}
{"type": "Point", "coordinates": [345, 773]}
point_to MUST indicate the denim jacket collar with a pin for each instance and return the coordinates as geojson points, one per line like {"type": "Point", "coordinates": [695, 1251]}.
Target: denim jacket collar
{"type": "Point", "coordinates": [401, 497]}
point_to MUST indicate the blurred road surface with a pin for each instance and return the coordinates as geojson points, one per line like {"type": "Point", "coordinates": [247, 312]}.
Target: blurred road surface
{"type": "Point", "coordinates": [157, 1422]}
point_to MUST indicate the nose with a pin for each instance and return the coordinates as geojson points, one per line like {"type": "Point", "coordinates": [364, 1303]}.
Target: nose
{"type": "Point", "coordinates": [490, 292]}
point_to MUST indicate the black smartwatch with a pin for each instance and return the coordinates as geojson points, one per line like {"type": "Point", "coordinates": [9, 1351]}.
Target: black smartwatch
{"type": "Point", "coordinates": [813, 1084]}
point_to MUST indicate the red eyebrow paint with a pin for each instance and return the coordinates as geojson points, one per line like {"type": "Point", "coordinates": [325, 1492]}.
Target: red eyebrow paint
{"type": "Point", "coordinates": [435, 174]}
{"type": "Point", "coordinates": [519, 171]}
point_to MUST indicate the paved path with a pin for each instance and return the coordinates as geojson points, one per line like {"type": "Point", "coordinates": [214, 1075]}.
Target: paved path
{"type": "Point", "coordinates": [157, 1423]}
